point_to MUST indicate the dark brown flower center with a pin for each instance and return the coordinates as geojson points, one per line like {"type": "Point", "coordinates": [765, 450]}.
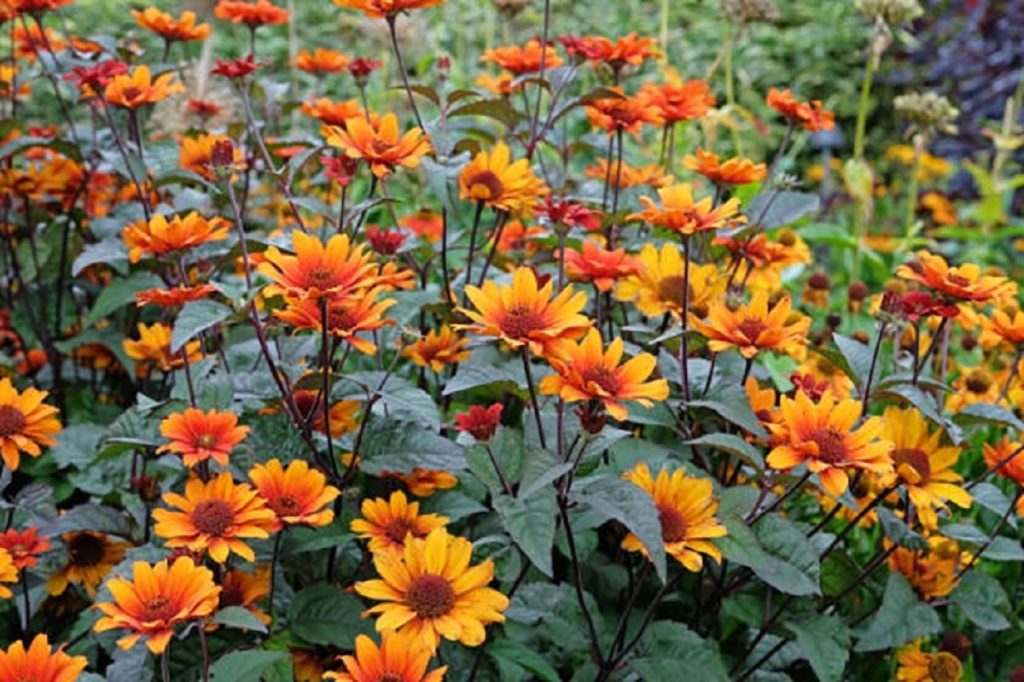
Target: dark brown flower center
{"type": "Point", "coordinates": [751, 329]}
{"type": "Point", "coordinates": [518, 323]}
{"type": "Point", "coordinates": [831, 445]}
{"type": "Point", "coordinates": [671, 289]}
{"type": "Point", "coordinates": [381, 146]}
{"type": "Point", "coordinates": [231, 594]}
{"type": "Point", "coordinates": [430, 596]}
{"type": "Point", "coordinates": [673, 524]}
{"type": "Point", "coordinates": [398, 528]}
{"type": "Point", "coordinates": [603, 377]}
{"type": "Point", "coordinates": [944, 667]}
{"type": "Point", "coordinates": [12, 421]}
{"type": "Point", "coordinates": [284, 505]}
{"type": "Point", "coordinates": [391, 677]}
{"type": "Point", "coordinates": [157, 608]}
{"type": "Point", "coordinates": [958, 280]}
{"type": "Point", "coordinates": [131, 93]}
{"type": "Point", "coordinates": [320, 277]}
{"type": "Point", "coordinates": [978, 382]}
{"type": "Point", "coordinates": [85, 550]}
{"type": "Point", "coordinates": [486, 186]}
{"type": "Point", "coordinates": [918, 459]}
{"type": "Point", "coordinates": [213, 517]}
{"type": "Point", "coordinates": [340, 317]}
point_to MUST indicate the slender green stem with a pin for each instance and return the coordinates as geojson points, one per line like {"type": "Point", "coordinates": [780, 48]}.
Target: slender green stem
{"type": "Point", "coordinates": [274, 556]}
{"type": "Point", "coordinates": [862, 109]}
{"type": "Point", "coordinates": [401, 69]}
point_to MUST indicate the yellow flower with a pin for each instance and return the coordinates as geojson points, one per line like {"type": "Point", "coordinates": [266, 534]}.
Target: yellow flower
{"type": "Point", "coordinates": [386, 523]}
{"type": "Point", "coordinates": [657, 288]}
{"type": "Point", "coordinates": [494, 179]}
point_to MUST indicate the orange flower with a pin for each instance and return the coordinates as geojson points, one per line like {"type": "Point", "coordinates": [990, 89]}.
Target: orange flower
{"type": "Point", "coordinates": [241, 588]}
{"type": "Point", "coordinates": [1003, 453]}
{"type": "Point", "coordinates": [492, 178]}
{"type": "Point", "coordinates": [26, 422]}
{"type": "Point", "coordinates": [810, 115]}
{"type": "Point", "coordinates": [824, 436]}
{"type": "Point", "coordinates": [964, 283]}
{"type": "Point", "coordinates": [630, 49]}
{"type": "Point", "coordinates": [933, 573]}
{"type": "Point", "coordinates": [518, 237]}
{"type": "Point", "coordinates": [523, 315]}
{"type": "Point", "coordinates": [173, 297]}
{"type": "Point", "coordinates": [138, 89]}
{"type": "Point", "coordinates": [333, 113]}
{"type": "Point", "coordinates": [160, 236]}
{"type": "Point", "coordinates": [380, 144]}
{"type": "Point", "coordinates": [425, 224]}
{"type": "Point", "coordinates": [39, 662]}
{"type": "Point", "coordinates": [169, 28]}
{"type": "Point", "coordinates": [753, 328]}
{"type": "Point", "coordinates": [346, 317]}
{"type": "Point", "coordinates": [298, 495]}
{"type": "Point", "coordinates": [679, 101]}
{"type": "Point", "coordinates": [34, 6]}
{"type": "Point", "coordinates": [214, 517]}
{"type": "Point", "coordinates": [652, 175]}
{"type": "Point", "coordinates": [380, 9]}
{"type": "Point", "coordinates": [31, 41]}
{"type": "Point", "coordinates": [501, 85]}
{"type": "Point", "coordinates": [343, 412]}
{"type": "Point", "coordinates": [199, 436]}
{"type": "Point", "coordinates": [91, 556]}
{"type": "Point", "coordinates": [387, 523]}
{"type": "Point", "coordinates": [25, 547]}
{"type": "Point", "coordinates": [622, 113]}
{"type": "Point", "coordinates": [525, 59]}
{"type": "Point", "coordinates": [680, 213]}
{"type": "Point", "coordinates": [196, 155]}
{"type": "Point", "coordinates": [438, 349]}
{"type": "Point", "coordinates": [154, 345]}
{"type": "Point", "coordinates": [599, 265]}
{"type": "Point", "coordinates": [321, 61]}
{"type": "Point", "coordinates": [8, 573]}
{"type": "Point", "coordinates": [317, 270]}
{"type": "Point", "coordinates": [426, 482]}
{"type": "Point", "coordinates": [158, 598]}
{"type": "Point", "coordinates": [585, 371]}
{"type": "Point", "coordinates": [734, 171]}
{"type": "Point", "coordinates": [399, 658]}
{"type": "Point", "coordinates": [252, 14]}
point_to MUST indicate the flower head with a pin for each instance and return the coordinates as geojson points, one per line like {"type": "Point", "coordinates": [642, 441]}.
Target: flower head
{"type": "Point", "coordinates": [317, 270]}
{"type": "Point", "coordinates": [346, 317]}
{"type": "Point", "coordinates": [26, 423]}
{"type": "Point", "coordinates": [524, 315]}
{"type": "Point", "coordinates": [298, 495]}
{"type": "Point", "coordinates": [438, 349]}
{"type": "Point", "coordinates": [920, 666]}
{"type": "Point", "coordinates": [25, 547]}
{"type": "Point", "coordinates": [138, 89]}
{"type": "Point", "coordinates": [425, 224]}
{"type": "Point", "coordinates": [735, 171]}
{"type": "Point", "coordinates": [8, 573]}
{"type": "Point", "coordinates": [480, 422]}
{"type": "Point", "coordinates": [159, 236]}
{"type": "Point", "coordinates": [657, 284]}
{"type": "Point", "coordinates": [753, 328]}
{"type": "Point", "coordinates": [321, 61]}
{"type": "Point", "coordinates": [39, 662]}
{"type": "Point", "coordinates": [686, 509]}
{"type": "Point", "coordinates": [90, 558]}
{"type": "Point", "coordinates": [252, 14]}
{"type": "Point", "coordinates": [154, 346]}
{"type": "Point", "coordinates": [174, 297]}
{"type": "Point", "coordinates": [380, 9]}
{"type": "Point", "coordinates": [431, 591]}
{"type": "Point", "coordinates": [380, 144]}
{"type": "Point", "coordinates": [493, 179]}
{"type": "Point", "coordinates": [198, 436]}
{"type": "Point", "coordinates": [216, 517]}
{"type": "Point", "coordinates": [238, 68]}
{"type": "Point", "coordinates": [679, 101]}
{"type": "Point", "coordinates": [622, 113]}
{"type": "Point", "coordinates": [170, 29]}
{"type": "Point", "coordinates": [399, 658]}
{"type": "Point", "coordinates": [680, 213]}
{"type": "Point", "coordinates": [824, 436]}
{"type": "Point", "coordinates": [155, 600]}
{"type": "Point", "coordinates": [964, 283]}
{"type": "Point", "coordinates": [810, 115]}
{"type": "Point", "coordinates": [598, 265]}
{"type": "Point", "coordinates": [526, 59]}
{"type": "Point", "coordinates": [933, 573]}
{"type": "Point", "coordinates": [241, 588]}
{"type": "Point", "coordinates": [333, 113]}
{"type": "Point", "coordinates": [387, 523]}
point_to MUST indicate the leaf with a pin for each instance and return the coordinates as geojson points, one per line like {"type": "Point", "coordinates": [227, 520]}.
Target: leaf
{"type": "Point", "coordinates": [778, 554]}
{"type": "Point", "coordinates": [542, 468]}
{"type": "Point", "coordinates": [927, 406]}
{"type": "Point", "coordinates": [523, 657]}
{"type": "Point", "coordinates": [398, 398]}
{"type": "Point", "coordinates": [857, 356]}
{"type": "Point", "coordinates": [110, 251]}
{"type": "Point", "coordinates": [1003, 549]}
{"type": "Point", "coordinates": [736, 411]}
{"type": "Point", "coordinates": [77, 445]}
{"type": "Point", "coordinates": [825, 642]}
{"type": "Point", "coordinates": [325, 614]}
{"type": "Point", "coordinates": [988, 413]}
{"type": "Point", "coordinates": [673, 652]}
{"type": "Point", "coordinates": [401, 447]}
{"type": "Point", "coordinates": [473, 375]}
{"type": "Point", "coordinates": [775, 209]}
{"type": "Point", "coordinates": [896, 530]}
{"type": "Point", "coordinates": [194, 318]}
{"type": "Point", "coordinates": [498, 109]}
{"type": "Point", "coordinates": [120, 293]}
{"type": "Point", "coordinates": [615, 498]}
{"type": "Point", "coordinates": [901, 618]}
{"type": "Point", "coordinates": [989, 496]}
{"type": "Point", "coordinates": [983, 600]}
{"type": "Point", "coordinates": [244, 666]}
{"type": "Point", "coordinates": [964, 532]}
{"type": "Point", "coordinates": [734, 445]}
{"type": "Point", "coordinates": [240, 618]}
{"type": "Point", "coordinates": [531, 525]}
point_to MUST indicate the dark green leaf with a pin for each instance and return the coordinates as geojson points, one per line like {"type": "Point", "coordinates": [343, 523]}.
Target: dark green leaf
{"type": "Point", "coordinates": [857, 355]}
{"type": "Point", "coordinates": [110, 252]}
{"type": "Point", "coordinates": [990, 497]}
{"type": "Point", "coordinates": [194, 318]}
{"type": "Point", "coordinates": [325, 614]}
{"type": "Point", "coordinates": [735, 409]}
{"type": "Point", "coordinates": [244, 666]}
{"type": "Point", "coordinates": [734, 445]}
{"type": "Point", "coordinates": [673, 652]}
{"type": "Point", "coordinates": [778, 553]}
{"type": "Point", "coordinates": [531, 524]}
{"type": "Point", "coordinates": [983, 600]}
{"type": "Point", "coordinates": [825, 642]}
{"type": "Point", "coordinates": [896, 530]}
{"type": "Point", "coordinates": [772, 209]}
{"type": "Point", "coordinates": [240, 618]}
{"type": "Point", "coordinates": [988, 413]}
{"type": "Point", "coordinates": [901, 618]}
{"type": "Point", "coordinates": [401, 447]}
{"type": "Point", "coordinates": [523, 657]}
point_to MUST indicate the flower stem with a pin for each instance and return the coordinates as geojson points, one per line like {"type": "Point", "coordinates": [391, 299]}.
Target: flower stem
{"type": "Point", "coordinates": [684, 364]}
{"type": "Point", "coordinates": [274, 556]}
{"type": "Point", "coordinates": [533, 397]}
{"type": "Point", "coordinates": [391, 19]}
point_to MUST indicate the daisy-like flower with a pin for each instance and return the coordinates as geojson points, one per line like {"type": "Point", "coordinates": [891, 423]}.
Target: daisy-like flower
{"type": "Point", "coordinates": [159, 236]}
{"type": "Point", "coordinates": [494, 179]}
{"type": "Point", "coordinates": [317, 270]}
{"type": "Point", "coordinates": [215, 517]}
{"type": "Point", "coordinates": [241, 588]}
{"type": "Point", "coordinates": [386, 523]}
{"type": "Point", "coordinates": [175, 297]}
{"type": "Point", "coordinates": [321, 61]}
{"type": "Point", "coordinates": [25, 547]}
{"type": "Point", "coordinates": [915, 665]}
{"type": "Point", "coordinates": [823, 436]}
{"type": "Point", "coordinates": [431, 591]}
{"type": "Point", "coordinates": [1004, 328]}
{"type": "Point", "coordinates": [678, 100]}
{"type": "Point", "coordinates": [154, 346]}
{"type": "Point", "coordinates": [932, 572]}
{"type": "Point", "coordinates": [631, 50]}
{"type": "Point", "coordinates": [425, 224]}
{"type": "Point", "coordinates": [196, 154]}
{"type": "Point", "coordinates": [30, 40]}
{"type": "Point", "coordinates": [343, 413]}
{"type": "Point", "coordinates": [680, 213]}
{"type": "Point", "coordinates": [252, 14]}
{"type": "Point", "coordinates": [651, 175]}
{"type": "Point", "coordinates": [479, 422]}
{"type": "Point", "coordinates": [155, 600]}
{"type": "Point", "coordinates": [397, 659]}
{"type": "Point", "coordinates": [39, 662]}
{"type": "Point", "coordinates": [762, 404]}
{"type": "Point", "coordinates": [346, 317]}
{"type": "Point", "coordinates": [333, 113]}
{"type": "Point", "coordinates": [593, 263]}
{"type": "Point", "coordinates": [425, 482]}
{"type": "Point", "coordinates": [586, 371]}
{"type": "Point", "coordinates": [753, 328]}
{"type": "Point", "coordinates": [170, 29]}
{"type": "Point", "coordinates": [524, 315]}
{"type": "Point", "coordinates": [977, 385]}
{"type": "Point", "coordinates": [91, 556]}
{"type": "Point", "coordinates": [380, 145]}
{"type": "Point", "coordinates": [138, 89]}
{"type": "Point", "coordinates": [298, 495]}
{"type": "Point", "coordinates": [657, 286]}
{"type": "Point", "coordinates": [8, 573]}
{"type": "Point", "coordinates": [686, 509]}
{"type": "Point", "coordinates": [811, 115]}
{"type": "Point", "coordinates": [762, 260]}
{"type": "Point", "coordinates": [26, 423]}
{"type": "Point", "coordinates": [734, 171]}
{"type": "Point", "coordinates": [381, 9]}
{"type": "Point", "coordinates": [1009, 455]}
{"type": "Point", "coordinates": [438, 349]}
{"type": "Point", "coordinates": [964, 283]}
{"type": "Point", "coordinates": [923, 465]}
{"type": "Point", "coordinates": [199, 436]}
{"type": "Point", "coordinates": [526, 59]}
{"type": "Point", "coordinates": [622, 113]}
